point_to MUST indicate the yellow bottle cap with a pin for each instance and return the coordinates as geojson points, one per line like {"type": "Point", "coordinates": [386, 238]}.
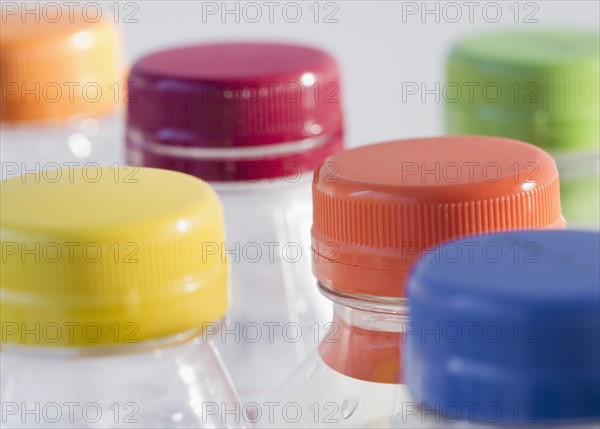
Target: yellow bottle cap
{"type": "Point", "coordinates": [62, 65]}
{"type": "Point", "coordinates": [97, 256]}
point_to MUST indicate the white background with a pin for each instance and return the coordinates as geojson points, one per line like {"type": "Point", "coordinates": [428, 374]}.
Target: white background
{"type": "Point", "coordinates": [377, 45]}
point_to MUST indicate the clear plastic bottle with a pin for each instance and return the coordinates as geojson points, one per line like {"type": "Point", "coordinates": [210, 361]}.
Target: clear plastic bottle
{"type": "Point", "coordinates": [376, 209]}
{"type": "Point", "coordinates": [538, 86]}
{"type": "Point", "coordinates": [254, 120]}
{"type": "Point", "coordinates": [62, 90]}
{"type": "Point", "coordinates": [105, 296]}
{"type": "Point", "coordinates": [505, 340]}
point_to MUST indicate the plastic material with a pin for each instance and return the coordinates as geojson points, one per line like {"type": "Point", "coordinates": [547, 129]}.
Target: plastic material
{"type": "Point", "coordinates": [377, 207]}
{"type": "Point", "coordinates": [176, 382]}
{"type": "Point", "coordinates": [541, 87]}
{"type": "Point", "coordinates": [363, 210]}
{"type": "Point", "coordinates": [111, 246]}
{"type": "Point", "coordinates": [53, 69]}
{"type": "Point", "coordinates": [275, 308]}
{"type": "Point", "coordinates": [536, 86]}
{"type": "Point", "coordinates": [85, 142]}
{"type": "Point", "coordinates": [253, 119]}
{"type": "Point", "coordinates": [106, 293]}
{"type": "Point", "coordinates": [510, 320]}
{"type": "Point", "coordinates": [62, 87]}
{"type": "Point", "coordinates": [580, 188]}
{"type": "Point", "coordinates": [274, 108]}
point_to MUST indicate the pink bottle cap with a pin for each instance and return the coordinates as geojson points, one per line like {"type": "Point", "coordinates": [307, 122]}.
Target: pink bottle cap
{"type": "Point", "coordinates": [235, 112]}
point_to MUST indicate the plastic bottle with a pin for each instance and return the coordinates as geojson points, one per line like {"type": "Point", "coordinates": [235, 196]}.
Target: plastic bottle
{"type": "Point", "coordinates": [253, 119]}
{"type": "Point", "coordinates": [61, 92]}
{"type": "Point", "coordinates": [505, 338]}
{"type": "Point", "coordinates": [105, 294]}
{"type": "Point", "coordinates": [538, 86]}
{"type": "Point", "coordinates": [376, 209]}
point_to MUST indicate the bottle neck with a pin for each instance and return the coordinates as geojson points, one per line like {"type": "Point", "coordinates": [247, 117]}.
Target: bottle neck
{"type": "Point", "coordinates": [366, 336]}
{"type": "Point", "coordinates": [125, 347]}
{"type": "Point", "coordinates": [368, 312]}
{"type": "Point", "coordinates": [249, 160]}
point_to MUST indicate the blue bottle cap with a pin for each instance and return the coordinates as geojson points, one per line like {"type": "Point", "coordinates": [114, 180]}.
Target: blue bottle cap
{"type": "Point", "coordinates": [505, 328]}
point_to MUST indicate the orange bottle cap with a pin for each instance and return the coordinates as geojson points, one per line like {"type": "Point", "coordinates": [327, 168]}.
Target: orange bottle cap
{"type": "Point", "coordinates": [377, 207]}
{"type": "Point", "coordinates": [51, 70]}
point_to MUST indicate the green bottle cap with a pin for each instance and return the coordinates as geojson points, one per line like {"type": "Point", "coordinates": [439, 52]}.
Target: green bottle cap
{"type": "Point", "coordinates": [538, 86]}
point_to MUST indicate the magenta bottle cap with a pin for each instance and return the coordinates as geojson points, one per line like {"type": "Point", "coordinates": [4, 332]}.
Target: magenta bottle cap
{"type": "Point", "coordinates": [235, 112]}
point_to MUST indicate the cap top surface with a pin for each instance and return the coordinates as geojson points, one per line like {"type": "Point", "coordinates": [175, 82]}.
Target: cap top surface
{"type": "Point", "coordinates": [533, 48]}
{"type": "Point", "coordinates": [281, 99]}
{"type": "Point", "coordinates": [15, 31]}
{"type": "Point", "coordinates": [517, 325]}
{"type": "Point", "coordinates": [534, 267]}
{"type": "Point", "coordinates": [48, 66]}
{"type": "Point", "coordinates": [231, 61]}
{"type": "Point", "coordinates": [538, 86]}
{"type": "Point", "coordinates": [87, 200]}
{"type": "Point", "coordinates": [379, 206]}
{"type": "Point", "coordinates": [392, 163]}
{"type": "Point", "coordinates": [110, 246]}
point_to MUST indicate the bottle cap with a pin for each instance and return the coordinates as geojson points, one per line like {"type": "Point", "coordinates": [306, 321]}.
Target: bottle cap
{"type": "Point", "coordinates": [377, 207]}
{"type": "Point", "coordinates": [235, 111]}
{"type": "Point", "coordinates": [108, 250]}
{"type": "Point", "coordinates": [505, 328]}
{"type": "Point", "coordinates": [538, 86]}
{"type": "Point", "coordinates": [60, 66]}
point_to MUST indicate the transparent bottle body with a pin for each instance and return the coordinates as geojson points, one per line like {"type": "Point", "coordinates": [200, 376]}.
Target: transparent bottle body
{"type": "Point", "coordinates": [276, 315]}
{"type": "Point", "coordinates": [173, 382]}
{"type": "Point", "coordinates": [77, 142]}
{"type": "Point", "coordinates": [333, 389]}
{"type": "Point", "coordinates": [579, 169]}
{"type": "Point", "coordinates": [348, 382]}
{"type": "Point", "coordinates": [580, 188]}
